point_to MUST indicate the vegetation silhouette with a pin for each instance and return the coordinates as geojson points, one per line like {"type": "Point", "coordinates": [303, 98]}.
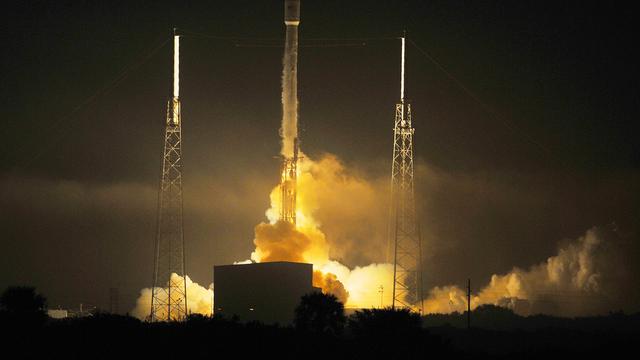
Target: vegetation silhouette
{"type": "Point", "coordinates": [393, 333]}
{"type": "Point", "coordinates": [369, 333]}
{"type": "Point", "coordinates": [385, 323]}
{"type": "Point", "coordinates": [22, 304]}
{"type": "Point", "coordinates": [22, 300]}
{"type": "Point", "coordinates": [320, 313]}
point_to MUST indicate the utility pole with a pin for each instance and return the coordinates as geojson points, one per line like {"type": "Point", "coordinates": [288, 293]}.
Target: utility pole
{"type": "Point", "coordinates": [468, 303]}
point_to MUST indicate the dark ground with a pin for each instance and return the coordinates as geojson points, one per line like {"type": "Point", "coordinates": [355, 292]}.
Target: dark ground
{"type": "Point", "coordinates": [497, 334]}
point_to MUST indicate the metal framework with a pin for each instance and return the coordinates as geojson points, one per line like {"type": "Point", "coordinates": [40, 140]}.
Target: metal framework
{"type": "Point", "coordinates": [288, 186]}
{"type": "Point", "coordinates": [407, 261]}
{"type": "Point", "coordinates": [169, 292]}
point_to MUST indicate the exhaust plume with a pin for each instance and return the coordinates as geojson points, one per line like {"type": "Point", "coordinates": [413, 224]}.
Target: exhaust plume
{"type": "Point", "coordinates": [321, 185]}
{"type": "Point", "coordinates": [586, 276]}
{"type": "Point", "coordinates": [199, 299]}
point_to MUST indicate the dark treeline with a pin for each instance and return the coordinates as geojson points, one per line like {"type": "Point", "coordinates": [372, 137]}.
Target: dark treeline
{"type": "Point", "coordinates": [320, 330]}
{"type": "Point", "coordinates": [500, 318]}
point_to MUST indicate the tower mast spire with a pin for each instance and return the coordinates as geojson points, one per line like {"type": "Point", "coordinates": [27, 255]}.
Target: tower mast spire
{"type": "Point", "coordinates": [169, 292]}
{"type": "Point", "coordinates": [176, 65]}
{"type": "Point", "coordinates": [407, 259]}
{"type": "Point", "coordinates": [402, 72]}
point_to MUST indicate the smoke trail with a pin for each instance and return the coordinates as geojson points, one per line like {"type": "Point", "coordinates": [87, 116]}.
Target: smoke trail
{"type": "Point", "coordinates": [587, 276]}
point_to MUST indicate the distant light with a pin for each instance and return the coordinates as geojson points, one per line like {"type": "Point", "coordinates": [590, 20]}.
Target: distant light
{"type": "Point", "coordinates": [250, 309]}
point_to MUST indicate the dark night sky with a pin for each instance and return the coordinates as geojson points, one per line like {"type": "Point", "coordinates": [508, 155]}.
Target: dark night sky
{"type": "Point", "coordinates": [78, 188]}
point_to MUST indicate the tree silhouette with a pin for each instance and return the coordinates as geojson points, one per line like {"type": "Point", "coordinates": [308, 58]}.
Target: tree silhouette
{"type": "Point", "coordinates": [22, 304]}
{"type": "Point", "coordinates": [385, 323]}
{"type": "Point", "coordinates": [320, 313]}
{"type": "Point", "coordinates": [22, 300]}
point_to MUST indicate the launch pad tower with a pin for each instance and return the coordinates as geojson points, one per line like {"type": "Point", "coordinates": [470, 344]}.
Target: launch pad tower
{"type": "Point", "coordinates": [288, 186]}
{"type": "Point", "coordinates": [407, 260]}
{"type": "Point", "coordinates": [169, 292]}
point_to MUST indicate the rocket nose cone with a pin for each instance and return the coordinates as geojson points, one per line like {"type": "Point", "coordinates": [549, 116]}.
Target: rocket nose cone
{"type": "Point", "coordinates": [292, 11]}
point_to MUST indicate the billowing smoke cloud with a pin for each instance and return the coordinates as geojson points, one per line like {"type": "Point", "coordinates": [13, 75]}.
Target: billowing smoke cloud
{"type": "Point", "coordinates": [586, 276]}
{"type": "Point", "coordinates": [199, 299]}
{"type": "Point", "coordinates": [330, 284]}
{"type": "Point", "coordinates": [342, 231]}
{"type": "Point", "coordinates": [369, 286]}
{"type": "Point", "coordinates": [282, 241]}
{"type": "Point", "coordinates": [324, 185]}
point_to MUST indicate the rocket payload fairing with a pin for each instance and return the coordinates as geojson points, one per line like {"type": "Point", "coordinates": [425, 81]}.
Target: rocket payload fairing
{"type": "Point", "coordinates": [292, 12]}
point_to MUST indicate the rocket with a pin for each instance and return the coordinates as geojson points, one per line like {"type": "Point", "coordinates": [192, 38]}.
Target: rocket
{"type": "Point", "coordinates": [290, 77]}
{"type": "Point", "coordinates": [289, 130]}
{"type": "Point", "coordinates": [292, 12]}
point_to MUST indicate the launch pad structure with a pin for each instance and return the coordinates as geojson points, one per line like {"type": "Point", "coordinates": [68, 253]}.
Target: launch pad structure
{"type": "Point", "coordinates": [405, 230]}
{"type": "Point", "coordinates": [169, 292]}
{"type": "Point", "coordinates": [288, 186]}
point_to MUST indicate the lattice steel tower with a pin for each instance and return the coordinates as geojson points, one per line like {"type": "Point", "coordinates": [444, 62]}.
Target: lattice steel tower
{"type": "Point", "coordinates": [288, 186]}
{"type": "Point", "coordinates": [169, 294]}
{"type": "Point", "coordinates": [407, 259]}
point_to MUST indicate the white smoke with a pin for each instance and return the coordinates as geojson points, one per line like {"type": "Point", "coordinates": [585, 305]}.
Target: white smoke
{"type": "Point", "coordinates": [199, 299]}
{"type": "Point", "coordinates": [584, 277]}
{"type": "Point", "coordinates": [369, 286]}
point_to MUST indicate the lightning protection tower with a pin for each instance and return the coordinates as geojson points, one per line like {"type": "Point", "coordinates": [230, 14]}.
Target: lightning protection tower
{"type": "Point", "coordinates": [169, 292]}
{"type": "Point", "coordinates": [407, 260]}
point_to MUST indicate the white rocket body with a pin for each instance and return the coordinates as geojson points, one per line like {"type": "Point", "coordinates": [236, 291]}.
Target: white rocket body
{"type": "Point", "coordinates": [290, 79]}
{"type": "Point", "coordinates": [292, 12]}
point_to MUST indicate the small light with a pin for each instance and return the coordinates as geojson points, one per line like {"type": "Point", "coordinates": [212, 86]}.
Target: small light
{"type": "Point", "coordinates": [250, 309]}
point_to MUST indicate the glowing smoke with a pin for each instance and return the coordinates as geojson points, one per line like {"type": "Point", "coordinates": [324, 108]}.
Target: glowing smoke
{"type": "Point", "coordinates": [588, 275]}
{"type": "Point", "coordinates": [583, 278]}
{"type": "Point", "coordinates": [199, 299]}
{"type": "Point", "coordinates": [369, 286]}
{"type": "Point", "coordinates": [325, 184]}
